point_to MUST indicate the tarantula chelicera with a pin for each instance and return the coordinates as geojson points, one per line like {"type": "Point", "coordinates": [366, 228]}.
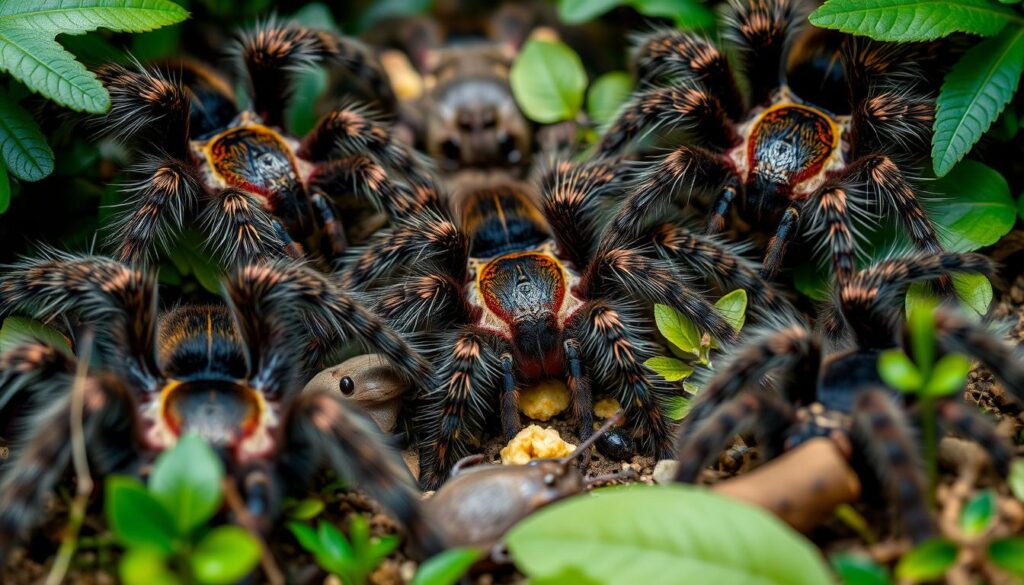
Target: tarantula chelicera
{"type": "Point", "coordinates": [519, 292]}
{"type": "Point", "coordinates": [231, 374]}
{"type": "Point", "coordinates": [262, 192]}
{"type": "Point", "coordinates": [775, 157]}
{"type": "Point", "coordinates": [841, 395]}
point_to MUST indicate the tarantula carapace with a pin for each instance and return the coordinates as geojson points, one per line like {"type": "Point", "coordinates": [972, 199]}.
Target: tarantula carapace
{"type": "Point", "coordinates": [806, 394]}
{"type": "Point", "coordinates": [262, 192]}
{"type": "Point", "coordinates": [518, 292]}
{"type": "Point", "coordinates": [786, 165]}
{"type": "Point", "coordinates": [231, 374]}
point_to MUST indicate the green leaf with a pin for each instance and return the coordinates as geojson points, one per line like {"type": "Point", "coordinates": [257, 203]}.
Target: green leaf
{"type": "Point", "coordinates": [1016, 479]}
{"type": "Point", "coordinates": [580, 11]}
{"type": "Point", "coordinates": [859, 570]}
{"type": "Point", "coordinates": [733, 307]}
{"type": "Point", "coordinates": [145, 566]}
{"type": "Point", "coordinates": [812, 280]}
{"type": "Point", "coordinates": [975, 207]}
{"type": "Point", "coordinates": [973, 290]}
{"type": "Point", "coordinates": [5, 189]}
{"type": "Point", "coordinates": [678, 407]}
{"type": "Point", "coordinates": [687, 14]}
{"type": "Point", "coordinates": [187, 479]}
{"type": "Point", "coordinates": [669, 368]}
{"type": "Point", "coordinates": [136, 517]}
{"type": "Point", "coordinates": [661, 534]}
{"type": "Point", "coordinates": [189, 257]}
{"type": "Point", "coordinates": [978, 513]}
{"type": "Point", "coordinates": [307, 537]}
{"type": "Point", "coordinates": [676, 328]}
{"type": "Point", "coordinates": [307, 509]}
{"type": "Point", "coordinates": [548, 81]}
{"type": "Point", "coordinates": [928, 561]}
{"type": "Point", "coordinates": [224, 556]}
{"type": "Point", "coordinates": [1008, 554]}
{"type": "Point", "coordinates": [30, 54]}
{"type": "Point", "coordinates": [446, 568]}
{"type": "Point", "coordinates": [16, 330]}
{"type": "Point", "coordinates": [898, 371]}
{"type": "Point", "coordinates": [974, 93]}
{"type": "Point", "coordinates": [913, 20]}
{"type": "Point", "coordinates": [22, 143]}
{"type": "Point", "coordinates": [607, 94]}
{"type": "Point", "coordinates": [333, 542]}
{"type": "Point", "coordinates": [921, 328]}
{"type": "Point", "coordinates": [948, 376]}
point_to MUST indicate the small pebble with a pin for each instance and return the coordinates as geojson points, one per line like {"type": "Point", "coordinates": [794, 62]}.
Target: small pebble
{"type": "Point", "coordinates": [664, 471]}
{"type": "Point", "coordinates": [616, 444]}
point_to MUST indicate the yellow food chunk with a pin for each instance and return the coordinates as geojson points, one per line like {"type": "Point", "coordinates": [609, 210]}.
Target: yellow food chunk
{"type": "Point", "coordinates": [533, 442]}
{"type": "Point", "coordinates": [545, 400]}
{"type": "Point", "coordinates": [606, 408]}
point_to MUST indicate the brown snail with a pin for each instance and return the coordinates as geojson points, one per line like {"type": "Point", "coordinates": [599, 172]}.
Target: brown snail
{"type": "Point", "coordinates": [371, 382]}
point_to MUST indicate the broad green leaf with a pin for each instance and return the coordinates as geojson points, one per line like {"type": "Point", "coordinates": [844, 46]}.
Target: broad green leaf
{"type": "Point", "coordinates": [30, 54]}
{"type": "Point", "coordinates": [5, 189]}
{"type": "Point", "coordinates": [307, 509]}
{"type": "Point", "coordinates": [1008, 554]}
{"type": "Point", "coordinates": [580, 11]}
{"type": "Point", "coordinates": [22, 144]}
{"type": "Point", "coordinates": [446, 568]}
{"type": "Point", "coordinates": [659, 535]}
{"type": "Point", "coordinates": [948, 376]}
{"type": "Point", "coordinates": [978, 513]}
{"type": "Point", "coordinates": [898, 371]}
{"type": "Point", "coordinates": [381, 9]}
{"type": "Point", "coordinates": [687, 14]}
{"type": "Point", "coordinates": [974, 93]}
{"type": "Point", "coordinates": [136, 517]}
{"type": "Point", "coordinates": [607, 94]}
{"type": "Point", "coordinates": [190, 257]}
{"type": "Point", "coordinates": [975, 208]}
{"type": "Point", "coordinates": [859, 570]}
{"type": "Point", "coordinates": [17, 330]}
{"type": "Point", "coordinates": [973, 290]}
{"type": "Point", "coordinates": [676, 328]}
{"type": "Point", "coordinates": [733, 307]}
{"type": "Point", "coordinates": [307, 537]}
{"type": "Point", "coordinates": [333, 542]}
{"type": "Point", "coordinates": [224, 556]}
{"type": "Point", "coordinates": [187, 480]}
{"type": "Point", "coordinates": [928, 561]}
{"type": "Point", "coordinates": [678, 407]}
{"type": "Point", "coordinates": [1016, 479]}
{"type": "Point", "coordinates": [912, 20]}
{"type": "Point", "coordinates": [548, 81]}
{"type": "Point", "coordinates": [669, 368]}
{"type": "Point", "coordinates": [145, 566]}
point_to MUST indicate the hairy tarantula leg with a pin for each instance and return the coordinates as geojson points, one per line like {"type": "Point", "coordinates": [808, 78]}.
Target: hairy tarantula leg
{"type": "Point", "coordinates": [239, 230]}
{"type": "Point", "coordinates": [156, 205]}
{"type": "Point", "coordinates": [880, 430]}
{"type": "Point", "coordinates": [570, 199]}
{"type": "Point", "coordinates": [676, 106]}
{"type": "Point", "coordinates": [271, 53]}
{"type": "Point", "coordinates": [146, 103]}
{"type": "Point", "coordinates": [456, 410]}
{"type": "Point", "coordinates": [578, 382]}
{"type": "Point", "coordinates": [723, 263]}
{"type": "Point", "coordinates": [782, 350]}
{"type": "Point", "coordinates": [762, 30]}
{"type": "Point", "coordinates": [721, 205]}
{"type": "Point", "coordinates": [966, 421]}
{"type": "Point", "coordinates": [349, 442]}
{"type": "Point", "coordinates": [428, 237]}
{"type": "Point", "coordinates": [425, 300]}
{"type": "Point", "coordinates": [118, 300]}
{"type": "Point", "coordinates": [615, 354]}
{"type": "Point", "coordinates": [832, 212]}
{"type": "Point", "coordinates": [290, 247]}
{"type": "Point", "coordinates": [697, 450]}
{"type": "Point", "coordinates": [109, 414]}
{"type": "Point", "coordinates": [329, 225]}
{"type": "Point", "coordinates": [784, 232]}
{"type": "Point", "coordinates": [955, 333]}
{"type": "Point", "coordinates": [370, 180]}
{"type": "Point", "coordinates": [672, 54]}
{"type": "Point", "coordinates": [510, 423]}
{"type": "Point", "coordinates": [34, 366]}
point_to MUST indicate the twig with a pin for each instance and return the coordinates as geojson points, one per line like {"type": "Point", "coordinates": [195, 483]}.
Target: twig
{"type": "Point", "coordinates": [81, 464]}
{"type": "Point", "coordinates": [245, 519]}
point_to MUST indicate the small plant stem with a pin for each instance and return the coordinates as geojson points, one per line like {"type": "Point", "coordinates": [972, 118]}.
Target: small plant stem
{"type": "Point", "coordinates": [930, 438]}
{"type": "Point", "coordinates": [245, 519]}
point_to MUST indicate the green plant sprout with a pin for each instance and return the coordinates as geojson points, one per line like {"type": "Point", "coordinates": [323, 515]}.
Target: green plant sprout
{"type": "Point", "coordinates": [351, 559]}
{"type": "Point", "coordinates": [164, 525]}
{"type": "Point", "coordinates": [446, 568]}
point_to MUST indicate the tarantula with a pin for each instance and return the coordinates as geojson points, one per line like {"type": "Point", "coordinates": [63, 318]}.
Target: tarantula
{"type": "Point", "coordinates": [231, 374]}
{"type": "Point", "coordinates": [777, 158]}
{"type": "Point", "coordinates": [262, 192]}
{"type": "Point", "coordinates": [519, 292]}
{"type": "Point", "coordinates": [841, 395]}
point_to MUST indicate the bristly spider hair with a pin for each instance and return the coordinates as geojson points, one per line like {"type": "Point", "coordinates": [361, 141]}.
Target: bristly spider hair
{"type": "Point", "coordinates": [785, 386]}
{"type": "Point", "coordinates": [785, 165]}
{"type": "Point", "coordinates": [231, 374]}
{"type": "Point", "coordinates": [258, 192]}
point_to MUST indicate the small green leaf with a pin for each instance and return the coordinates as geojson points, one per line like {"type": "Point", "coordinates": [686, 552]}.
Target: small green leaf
{"type": "Point", "coordinates": [859, 570]}
{"type": "Point", "coordinates": [145, 566]}
{"type": "Point", "coordinates": [22, 144]}
{"type": "Point", "coordinates": [812, 280]}
{"type": "Point", "coordinates": [921, 326]}
{"type": "Point", "coordinates": [974, 207]}
{"type": "Point", "coordinates": [973, 290]}
{"type": "Point", "coordinates": [974, 93]}
{"type": "Point", "coordinates": [899, 372]}
{"type": "Point", "coordinates": [16, 330]}
{"type": "Point", "coordinates": [5, 189]}
{"type": "Point", "coordinates": [580, 11]}
{"type": "Point", "coordinates": [978, 513]}
{"type": "Point", "coordinates": [607, 94]}
{"type": "Point", "coordinates": [687, 14]}
{"type": "Point", "coordinates": [548, 81]}
{"type": "Point", "coordinates": [733, 307]}
{"type": "Point", "coordinates": [669, 368]}
{"type": "Point", "coordinates": [187, 479]}
{"type": "Point", "coordinates": [948, 376]}
{"type": "Point", "coordinates": [446, 568]}
{"type": "Point", "coordinates": [333, 542]}
{"type": "Point", "coordinates": [676, 328]}
{"type": "Point", "coordinates": [920, 20]}
{"type": "Point", "coordinates": [224, 556]}
{"type": "Point", "coordinates": [1016, 479]}
{"type": "Point", "coordinates": [307, 509]}
{"type": "Point", "coordinates": [1008, 555]}
{"type": "Point", "coordinates": [307, 537]}
{"type": "Point", "coordinates": [678, 407]}
{"type": "Point", "coordinates": [928, 561]}
{"type": "Point", "coordinates": [136, 517]}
